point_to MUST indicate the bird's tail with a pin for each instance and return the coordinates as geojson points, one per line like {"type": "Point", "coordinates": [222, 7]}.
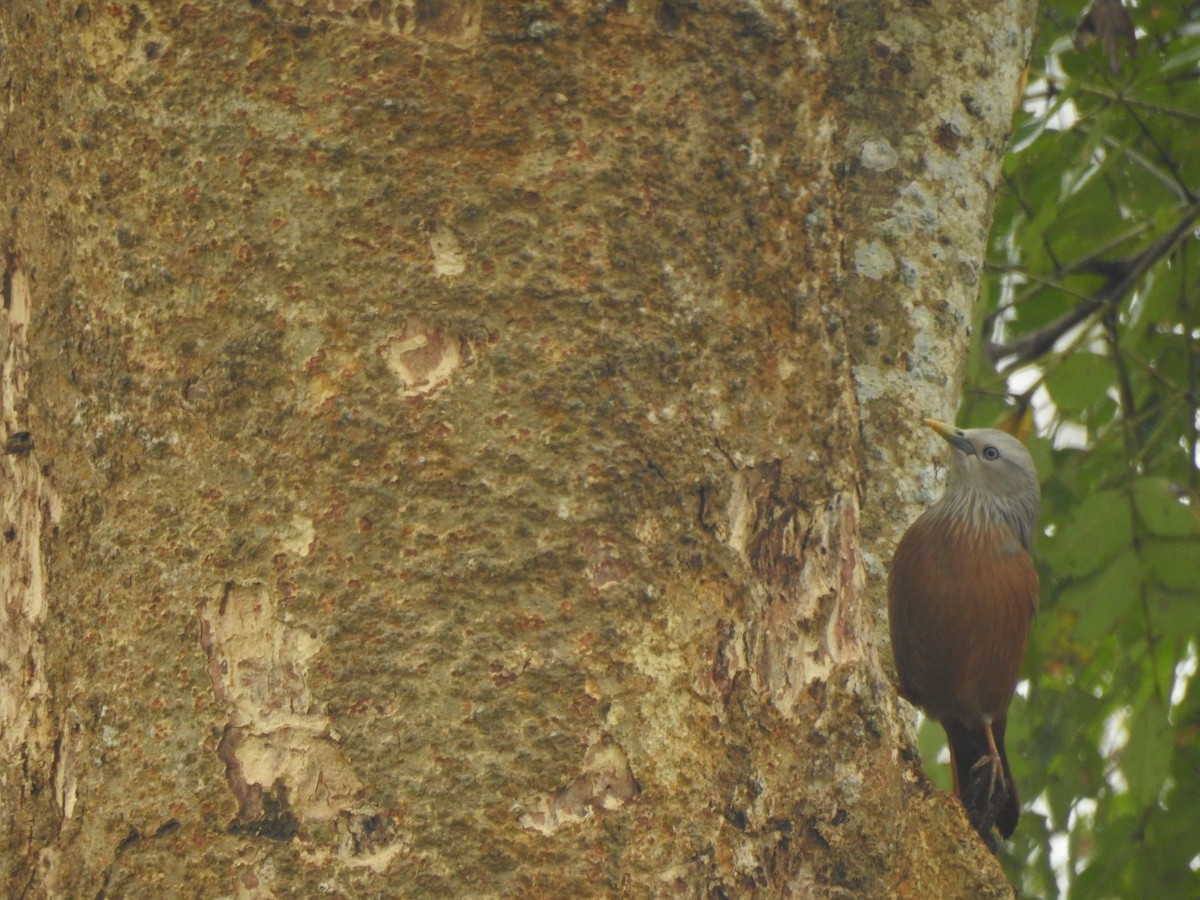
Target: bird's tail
{"type": "Point", "coordinates": [973, 786]}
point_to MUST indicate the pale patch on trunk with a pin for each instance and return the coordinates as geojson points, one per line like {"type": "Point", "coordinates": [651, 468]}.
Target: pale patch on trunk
{"type": "Point", "coordinates": [28, 507]}
{"type": "Point", "coordinates": [282, 758]}
{"type": "Point", "coordinates": [811, 575]}
{"type": "Point", "coordinates": [605, 783]}
{"type": "Point", "coordinates": [423, 359]}
{"type": "Point", "coordinates": [449, 259]}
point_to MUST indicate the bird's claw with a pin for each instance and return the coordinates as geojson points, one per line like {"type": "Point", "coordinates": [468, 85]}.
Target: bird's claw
{"type": "Point", "coordinates": [985, 795]}
{"type": "Point", "coordinates": [997, 773]}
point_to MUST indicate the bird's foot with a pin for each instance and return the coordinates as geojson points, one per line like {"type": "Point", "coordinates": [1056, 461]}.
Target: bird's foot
{"type": "Point", "coordinates": [996, 778]}
{"type": "Point", "coordinates": [984, 796]}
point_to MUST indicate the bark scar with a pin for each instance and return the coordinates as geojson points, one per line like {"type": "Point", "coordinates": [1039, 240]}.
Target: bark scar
{"type": "Point", "coordinates": [605, 783]}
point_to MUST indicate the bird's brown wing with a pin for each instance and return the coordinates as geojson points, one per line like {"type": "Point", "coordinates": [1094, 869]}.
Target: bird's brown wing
{"type": "Point", "coordinates": [960, 602]}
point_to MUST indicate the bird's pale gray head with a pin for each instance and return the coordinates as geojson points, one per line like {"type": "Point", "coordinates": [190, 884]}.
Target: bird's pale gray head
{"type": "Point", "coordinates": [992, 477]}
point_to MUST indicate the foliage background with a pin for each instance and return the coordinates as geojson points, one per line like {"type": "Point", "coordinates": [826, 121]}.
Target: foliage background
{"type": "Point", "coordinates": [1087, 342]}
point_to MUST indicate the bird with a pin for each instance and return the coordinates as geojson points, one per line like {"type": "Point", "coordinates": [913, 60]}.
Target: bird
{"type": "Point", "coordinates": [962, 596]}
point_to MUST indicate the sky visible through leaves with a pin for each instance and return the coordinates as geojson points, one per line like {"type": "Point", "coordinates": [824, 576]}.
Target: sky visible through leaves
{"type": "Point", "coordinates": [1087, 345]}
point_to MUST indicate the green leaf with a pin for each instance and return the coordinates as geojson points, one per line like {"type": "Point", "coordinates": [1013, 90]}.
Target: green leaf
{"type": "Point", "coordinates": [1146, 759]}
{"type": "Point", "coordinates": [1184, 58]}
{"type": "Point", "coordinates": [1111, 844]}
{"type": "Point", "coordinates": [1042, 452]}
{"type": "Point", "coordinates": [1173, 564]}
{"type": "Point", "coordinates": [1170, 846]}
{"type": "Point", "coordinates": [1158, 302]}
{"type": "Point", "coordinates": [1081, 380]}
{"type": "Point", "coordinates": [1096, 531]}
{"type": "Point", "coordinates": [1174, 614]}
{"type": "Point", "coordinates": [931, 741]}
{"type": "Point", "coordinates": [1104, 597]}
{"type": "Point", "coordinates": [1161, 508]}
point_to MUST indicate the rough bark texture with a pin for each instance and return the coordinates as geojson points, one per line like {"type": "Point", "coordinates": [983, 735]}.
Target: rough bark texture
{"type": "Point", "coordinates": [453, 424]}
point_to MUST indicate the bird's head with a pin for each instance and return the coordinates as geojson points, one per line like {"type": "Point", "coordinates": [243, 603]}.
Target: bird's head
{"type": "Point", "coordinates": [992, 474]}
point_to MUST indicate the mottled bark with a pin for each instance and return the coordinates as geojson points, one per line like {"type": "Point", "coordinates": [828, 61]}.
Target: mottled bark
{"type": "Point", "coordinates": [465, 441]}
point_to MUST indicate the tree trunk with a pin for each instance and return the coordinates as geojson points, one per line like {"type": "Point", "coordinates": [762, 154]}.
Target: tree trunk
{"type": "Point", "coordinates": [467, 439]}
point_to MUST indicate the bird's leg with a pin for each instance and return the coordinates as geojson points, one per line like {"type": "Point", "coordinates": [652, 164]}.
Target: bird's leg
{"type": "Point", "coordinates": [993, 759]}
{"type": "Point", "coordinates": [986, 790]}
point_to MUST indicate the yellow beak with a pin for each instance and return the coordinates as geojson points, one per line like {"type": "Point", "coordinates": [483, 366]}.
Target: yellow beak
{"type": "Point", "coordinates": [953, 436]}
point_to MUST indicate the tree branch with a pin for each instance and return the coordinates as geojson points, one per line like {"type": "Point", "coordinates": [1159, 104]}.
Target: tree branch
{"type": "Point", "coordinates": [1125, 276]}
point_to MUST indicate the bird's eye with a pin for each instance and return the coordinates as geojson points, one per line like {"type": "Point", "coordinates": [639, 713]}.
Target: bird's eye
{"type": "Point", "coordinates": [991, 452]}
